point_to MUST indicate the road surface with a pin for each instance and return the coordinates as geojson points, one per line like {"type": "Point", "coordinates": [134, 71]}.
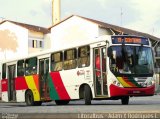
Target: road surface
{"type": "Point", "coordinates": [148, 106]}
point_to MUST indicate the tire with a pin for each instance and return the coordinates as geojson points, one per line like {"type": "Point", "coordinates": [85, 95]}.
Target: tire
{"type": "Point", "coordinates": [29, 99]}
{"type": "Point", "coordinates": [125, 100]}
{"type": "Point", "coordinates": [62, 102]}
{"type": "Point", "coordinates": [87, 95]}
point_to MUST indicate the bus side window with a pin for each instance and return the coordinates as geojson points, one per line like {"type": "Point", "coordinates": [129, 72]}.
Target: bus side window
{"type": "Point", "coordinates": [31, 66]}
{"type": "Point", "coordinates": [20, 68]}
{"type": "Point", "coordinates": [3, 71]}
{"type": "Point", "coordinates": [83, 56]}
{"type": "Point", "coordinates": [56, 61]}
{"type": "Point", "coordinates": [70, 59]}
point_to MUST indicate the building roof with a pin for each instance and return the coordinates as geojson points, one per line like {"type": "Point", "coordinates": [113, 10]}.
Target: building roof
{"type": "Point", "coordinates": [122, 30]}
{"type": "Point", "coordinates": [29, 27]}
{"type": "Point", "coordinates": [114, 28]}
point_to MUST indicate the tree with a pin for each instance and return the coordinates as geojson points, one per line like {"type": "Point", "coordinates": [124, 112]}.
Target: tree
{"type": "Point", "coordinates": [8, 41]}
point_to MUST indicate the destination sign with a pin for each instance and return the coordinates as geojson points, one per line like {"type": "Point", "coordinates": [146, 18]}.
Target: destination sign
{"type": "Point", "coordinates": [129, 40]}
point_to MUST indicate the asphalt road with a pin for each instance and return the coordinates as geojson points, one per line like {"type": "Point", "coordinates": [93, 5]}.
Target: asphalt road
{"type": "Point", "coordinates": [140, 105]}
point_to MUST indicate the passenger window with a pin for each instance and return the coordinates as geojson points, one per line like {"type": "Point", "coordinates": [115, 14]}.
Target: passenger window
{"type": "Point", "coordinates": [3, 71]}
{"type": "Point", "coordinates": [56, 61]}
{"type": "Point", "coordinates": [31, 66]}
{"type": "Point", "coordinates": [20, 68]}
{"type": "Point", "coordinates": [70, 59]}
{"type": "Point", "coordinates": [83, 56]}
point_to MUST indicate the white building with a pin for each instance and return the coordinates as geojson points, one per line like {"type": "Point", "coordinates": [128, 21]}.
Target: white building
{"type": "Point", "coordinates": [19, 39]}
{"type": "Point", "coordinates": [77, 29]}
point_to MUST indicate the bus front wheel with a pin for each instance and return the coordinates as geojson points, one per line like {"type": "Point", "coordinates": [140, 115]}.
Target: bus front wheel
{"type": "Point", "coordinates": [87, 95]}
{"type": "Point", "coordinates": [125, 100]}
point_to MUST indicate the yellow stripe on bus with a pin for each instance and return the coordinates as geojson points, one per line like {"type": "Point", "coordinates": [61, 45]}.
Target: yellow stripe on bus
{"type": "Point", "coordinates": [123, 82]}
{"type": "Point", "coordinates": [31, 85]}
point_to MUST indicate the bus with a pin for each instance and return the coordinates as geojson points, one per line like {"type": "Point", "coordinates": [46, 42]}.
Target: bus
{"type": "Point", "coordinates": [112, 67]}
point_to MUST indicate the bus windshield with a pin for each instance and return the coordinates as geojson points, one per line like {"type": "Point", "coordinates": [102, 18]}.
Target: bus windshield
{"type": "Point", "coordinates": [127, 59]}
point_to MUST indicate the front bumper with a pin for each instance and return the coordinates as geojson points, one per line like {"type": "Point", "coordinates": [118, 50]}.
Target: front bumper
{"type": "Point", "coordinates": [119, 91]}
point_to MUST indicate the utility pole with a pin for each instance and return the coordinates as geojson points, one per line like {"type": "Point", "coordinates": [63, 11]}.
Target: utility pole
{"type": "Point", "coordinates": [55, 11]}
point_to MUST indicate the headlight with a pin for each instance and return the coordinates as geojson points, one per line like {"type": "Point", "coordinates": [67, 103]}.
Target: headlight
{"type": "Point", "coordinates": [151, 83]}
{"type": "Point", "coordinates": [116, 83]}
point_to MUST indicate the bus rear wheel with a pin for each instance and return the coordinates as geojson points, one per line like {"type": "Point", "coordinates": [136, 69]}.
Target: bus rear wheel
{"type": "Point", "coordinates": [29, 99]}
{"type": "Point", "coordinates": [61, 102]}
{"type": "Point", "coordinates": [125, 100]}
{"type": "Point", "coordinates": [87, 95]}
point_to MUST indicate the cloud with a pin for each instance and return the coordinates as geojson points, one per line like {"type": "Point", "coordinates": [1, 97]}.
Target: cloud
{"type": "Point", "coordinates": [105, 10]}
{"type": "Point", "coordinates": [148, 16]}
{"type": "Point", "coordinates": [34, 12]}
{"type": "Point", "coordinates": [141, 15]}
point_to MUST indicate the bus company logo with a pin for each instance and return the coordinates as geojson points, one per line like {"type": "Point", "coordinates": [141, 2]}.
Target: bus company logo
{"type": "Point", "coordinates": [80, 72]}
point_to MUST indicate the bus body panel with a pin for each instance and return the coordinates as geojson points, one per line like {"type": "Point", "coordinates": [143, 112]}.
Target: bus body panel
{"type": "Point", "coordinates": [21, 85]}
{"type": "Point", "coordinates": [32, 82]}
{"type": "Point", "coordinates": [59, 87]}
{"type": "Point", "coordinates": [66, 84]}
{"type": "Point", "coordinates": [4, 85]}
{"type": "Point", "coordinates": [5, 96]}
{"type": "Point", "coordinates": [20, 95]}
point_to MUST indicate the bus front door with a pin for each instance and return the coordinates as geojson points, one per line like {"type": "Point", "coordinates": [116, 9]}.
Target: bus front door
{"type": "Point", "coordinates": [11, 83]}
{"type": "Point", "coordinates": [100, 78]}
{"type": "Point", "coordinates": [43, 78]}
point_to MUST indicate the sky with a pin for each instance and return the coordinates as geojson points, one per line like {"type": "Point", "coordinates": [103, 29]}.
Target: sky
{"type": "Point", "coordinates": [140, 15]}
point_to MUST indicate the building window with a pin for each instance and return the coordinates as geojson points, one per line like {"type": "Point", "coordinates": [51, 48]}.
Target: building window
{"type": "Point", "coordinates": [34, 43]}
{"type": "Point", "coordinates": [39, 43]}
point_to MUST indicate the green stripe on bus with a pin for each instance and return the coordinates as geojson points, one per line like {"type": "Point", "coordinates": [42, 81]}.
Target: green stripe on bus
{"type": "Point", "coordinates": [53, 93]}
{"type": "Point", "coordinates": [133, 81]}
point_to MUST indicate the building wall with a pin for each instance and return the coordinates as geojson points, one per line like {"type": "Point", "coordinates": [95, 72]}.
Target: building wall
{"type": "Point", "coordinates": [35, 34]}
{"type": "Point", "coordinates": [103, 31]}
{"type": "Point", "coordinates": [14, 41]}
{"type": "Point", "coordinates": [17, 41]}
{"type": "Point", "coordinates": [36, 41]}
{"type": "Point", "coordinates": [72, 32]}
{"type": "Point", "coordinates": [47, 41]}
